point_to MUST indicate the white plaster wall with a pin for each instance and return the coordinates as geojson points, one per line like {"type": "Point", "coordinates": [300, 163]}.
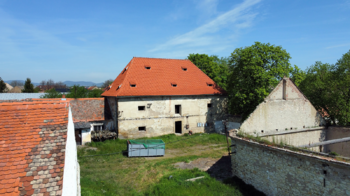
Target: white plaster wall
{"type": "Point", "coordinates": [86, 136]}
{"type": "Point", "coordinates": [295, 112]}
{"type": "Point", "coordinates": [160, 117]}
{"type": "Point", "coordinates": [71, 172]}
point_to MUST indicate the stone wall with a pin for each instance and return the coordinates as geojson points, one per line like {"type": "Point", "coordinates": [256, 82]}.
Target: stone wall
{"type": "Point", "coordinates": [159, 115]}
{"type": "Point", "coordinates": [342, 148]}
{"type": "Point", "coordinates": [276, 171]}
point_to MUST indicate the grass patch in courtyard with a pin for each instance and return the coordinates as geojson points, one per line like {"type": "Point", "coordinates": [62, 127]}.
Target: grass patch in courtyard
{"type": "Point", "coordinates": [119, 175]}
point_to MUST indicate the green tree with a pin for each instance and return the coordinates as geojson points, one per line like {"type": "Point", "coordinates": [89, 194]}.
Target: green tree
{"type": "Point", "coordinates": [255, 71]}
{"type": "Point", "coordinates": [211, 67]}
{"type": "Point", "coordinates": [2, 85]}
{"type": "Point", "coordinates": [28, 86]}
{"type": "Point", "coordinates": [297, 75]}
{"type": "Point", "coordinates": [106, 83]}
{"type": "Point", "coordinates": [52, 93]}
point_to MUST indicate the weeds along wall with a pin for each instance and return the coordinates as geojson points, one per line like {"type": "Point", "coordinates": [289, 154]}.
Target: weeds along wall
{"type": "Point", "coordinates": [277, 171]}
{"type": "Point", "coordinates": [336, 132]}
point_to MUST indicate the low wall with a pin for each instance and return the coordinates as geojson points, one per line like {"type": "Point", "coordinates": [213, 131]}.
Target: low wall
{"type": "Point", "coordinates": [277, 171]}
{"type": "Point", "coordinates": [299, 138]}
{"type": "Point", "coordinates": [342, 148]}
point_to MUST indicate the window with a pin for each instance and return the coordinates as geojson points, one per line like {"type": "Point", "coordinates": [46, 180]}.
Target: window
{"type": "Point", "coordinates": [98, 127]}
{"type": "Point", "coordinates": [142, 128]}
{"type": "Point", "coordinates": [184, 68]}
{"type": "Point", "coordinates": [174, 85]}
{"type": "Point", "coordinates": [133, 85]}
{"type": "Point", "coordinates": [178, 109]}
{"type": "Point", "coordinates": [147, 67]}
{"type": "Point", "coordinates": [209, 84]}
{"type": "Point", "coordinates": [142, 108]}
{"type": "Point", "coordinates": [209, 105]}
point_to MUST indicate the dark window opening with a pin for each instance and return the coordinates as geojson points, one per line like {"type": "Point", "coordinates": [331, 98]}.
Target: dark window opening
{"type": "Point", "coordinates": [98, 127]}
{"type": "Point", "coordinates": [141, 108]}
{"type": "Point", "coordinates": [142, 128]}
{"type": "Point", "coordinates": [210, 84]}
{"type": "Point", "coordinates": [174, 85]}
{"type": "Point", "coordinates": [178, 127]}
{"type": "Point", "coordinates": [177, 109]}
{"type": "Point", "coordinates": [133, 85]}
{"type": "Point", "coordinates": [284, 89]}
{"type": "Point", "coordinates": [147, 67]}
{"type": "Point", "coordinates": [185, 69]}
{"type": "Point", "coordinates": [209, 105]}
{"type": "Point", "coordinates": [262, 131]}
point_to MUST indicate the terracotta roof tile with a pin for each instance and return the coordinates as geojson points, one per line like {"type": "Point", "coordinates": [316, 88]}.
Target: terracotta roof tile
{"type": "Point", "coordinates": [31, 132]}
{"type": "Point", "coordinates": [159, 78]}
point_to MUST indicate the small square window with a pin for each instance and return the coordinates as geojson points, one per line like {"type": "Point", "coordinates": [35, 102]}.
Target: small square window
{"type": "Point", "coordinates": [209, 105]}
{"type": "Point", "coordinates": [142, 128]}
{"type": "Point", "coordinates": [177, 109]}
{"type": "Point", "coordinates": [142, 108]}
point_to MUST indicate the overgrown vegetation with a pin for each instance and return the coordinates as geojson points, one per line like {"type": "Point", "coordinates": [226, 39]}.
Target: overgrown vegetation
{"type": "Point", "coordinates": [119, 175]}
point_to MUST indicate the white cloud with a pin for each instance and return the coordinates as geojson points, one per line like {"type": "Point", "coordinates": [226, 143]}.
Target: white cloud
{"type": "Point", "coordinates": [215, 35]}
{"type": "Point", "coordinates": [338, 46]}
{"type": "Point", "coordinates": [208, 7]}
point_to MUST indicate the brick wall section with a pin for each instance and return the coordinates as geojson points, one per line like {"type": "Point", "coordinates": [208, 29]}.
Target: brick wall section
{"type": "Point", "coordinates": [336, 132]}
{"type": "Point", "coordinates": [277, 171]}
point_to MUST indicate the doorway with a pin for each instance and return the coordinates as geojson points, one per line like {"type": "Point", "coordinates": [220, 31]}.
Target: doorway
{"type": "Point", "coordinates": [78, 136]}
{"type": "Point", "coordinates": [178, 127]}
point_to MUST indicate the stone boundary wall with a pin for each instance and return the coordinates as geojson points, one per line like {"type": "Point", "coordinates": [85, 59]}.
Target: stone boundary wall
{"type": "Point", "coordinates": [277, 171]}
{"type": "Point", "coordinates": [336, 132]}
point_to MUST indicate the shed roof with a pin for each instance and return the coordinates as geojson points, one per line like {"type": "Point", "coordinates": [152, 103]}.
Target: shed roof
{"type": "Point", "coordinates": [32, 146]}
{"type": "Point", "coordinates": [157, 77]}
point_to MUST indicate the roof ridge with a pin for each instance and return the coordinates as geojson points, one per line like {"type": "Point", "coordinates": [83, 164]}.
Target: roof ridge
{"type": "Point", "coordinates": [161, 58]}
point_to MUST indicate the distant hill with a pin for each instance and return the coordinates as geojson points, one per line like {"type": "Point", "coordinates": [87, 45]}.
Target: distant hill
{"type": "Point", "coordinates": [68, 83]}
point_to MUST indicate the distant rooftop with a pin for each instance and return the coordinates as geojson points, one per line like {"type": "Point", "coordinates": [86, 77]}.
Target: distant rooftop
{"type": "Point", "coordinates": [20, 96]}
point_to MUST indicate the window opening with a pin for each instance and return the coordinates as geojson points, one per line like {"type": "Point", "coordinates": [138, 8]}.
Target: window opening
{"type": "Point", "coordinates": [142, 128]}
{"type": "Point", "coordinates": [178, 127]}
{"type": "Point", "coordinates": [184, 68]}
{"type": "Point", "coordinates": [141, 108]}
{"type": "Point", "coordinates": [133, 85]}
{"type": "Point", "coordinates": [178, 109]}
{"type": "Point", "coordinates": [174, 85]}
{"type": "Point", "coordinates": [210, 84]}
{"type": "Point", "coordinates": [98, 127]}
{"type": "Point", "coordinates": [147, 67]}
{"type": "Point", "coordinates": [209, 105]}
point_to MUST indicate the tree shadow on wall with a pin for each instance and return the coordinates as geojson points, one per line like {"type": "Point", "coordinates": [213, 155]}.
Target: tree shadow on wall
{"type": "Point", "coordinates": [221, 171]}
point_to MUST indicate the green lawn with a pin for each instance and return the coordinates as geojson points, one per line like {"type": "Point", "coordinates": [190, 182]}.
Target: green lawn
{"type": "Point", "coordinates": [119, 175]}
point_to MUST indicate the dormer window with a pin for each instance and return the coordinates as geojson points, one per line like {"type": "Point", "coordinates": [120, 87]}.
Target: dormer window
{"type": "Point", "coordinates": [126, 68]}
{"type": "Point", "coordinates": [184, 68]}
{"type": "Point", "coordinates": [132, 85]}
{"type": "Point", "coordinates": [119, 87]}
{"type": "Point", "coordinates": [173, 84]}
{"type": "Point", "coordinates": [209, 84]}
{"type": "Point", "coordinates": [147, 67]}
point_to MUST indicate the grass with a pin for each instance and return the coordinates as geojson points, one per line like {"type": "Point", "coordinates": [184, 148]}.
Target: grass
{"type": "Point", "coordinates": [119, 175]}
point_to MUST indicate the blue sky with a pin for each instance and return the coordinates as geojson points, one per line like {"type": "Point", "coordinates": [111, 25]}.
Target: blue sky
{"type": "Point", "coordinates": [94, 40]}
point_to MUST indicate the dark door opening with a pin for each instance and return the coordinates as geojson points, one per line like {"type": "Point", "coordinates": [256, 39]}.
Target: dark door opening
{"type": "Point", "coordinates": [78, 136]}
{"type": "Point", "coordinates": [178, 127]}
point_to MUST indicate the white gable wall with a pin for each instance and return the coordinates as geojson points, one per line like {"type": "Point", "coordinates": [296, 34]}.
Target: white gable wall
{"type": "Point", "coordinates": [278, 114]}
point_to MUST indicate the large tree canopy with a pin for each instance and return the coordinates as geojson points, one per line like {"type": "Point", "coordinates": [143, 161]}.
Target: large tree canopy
{"type": "Point", "coordinates": [328, 88]}
{"type": "Point", "coordinates": [214, 67]}
{"type": "Point", "coordinates": [255, 71]}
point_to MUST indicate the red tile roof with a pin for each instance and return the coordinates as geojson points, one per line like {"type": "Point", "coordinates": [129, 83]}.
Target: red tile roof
{"type": "Point", "coordinates": [159, 78]}
{"type": "Point", "coordinates": [32, 146]}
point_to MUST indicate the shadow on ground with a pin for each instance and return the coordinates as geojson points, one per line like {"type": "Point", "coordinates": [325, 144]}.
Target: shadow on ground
{"type": "Point", "coordinates": [221, 170]}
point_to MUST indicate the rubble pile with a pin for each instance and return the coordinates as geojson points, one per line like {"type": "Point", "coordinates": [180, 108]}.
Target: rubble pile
{"type": "Point", "coordinates": [103, 135]}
